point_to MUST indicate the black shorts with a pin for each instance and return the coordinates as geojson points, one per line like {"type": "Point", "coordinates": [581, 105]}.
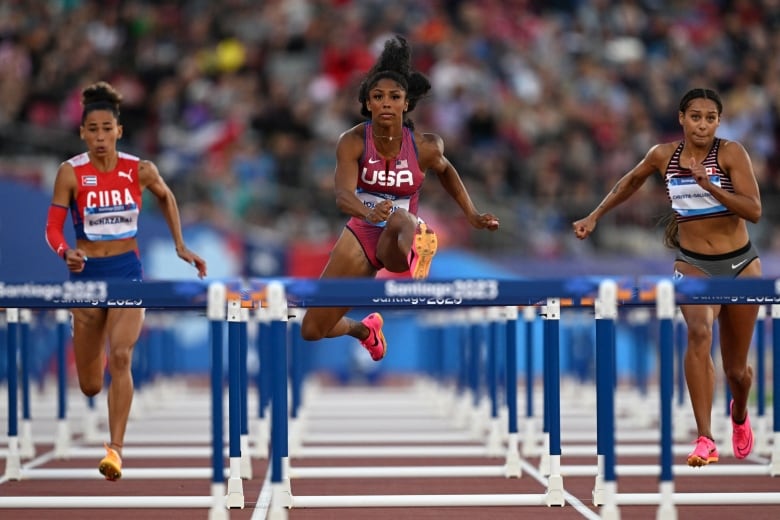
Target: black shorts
{"type": "Point", "coordinates": [726, 264]}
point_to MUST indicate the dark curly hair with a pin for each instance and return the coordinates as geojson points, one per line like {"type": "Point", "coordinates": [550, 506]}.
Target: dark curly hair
{"type": "Point", "coordinates": [100, 96]}
{"type": "Point", "coordinates": [395, 63]}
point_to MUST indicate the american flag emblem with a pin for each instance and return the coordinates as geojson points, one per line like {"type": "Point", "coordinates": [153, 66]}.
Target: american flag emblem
{"type": "Point", "coordinates": [89, 180]}
{"type": "Point", "coordinates": [401, 163]}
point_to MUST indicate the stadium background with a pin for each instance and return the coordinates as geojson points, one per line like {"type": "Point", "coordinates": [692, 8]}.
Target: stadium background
{"type": "Point", "coordinates": [542, 106]}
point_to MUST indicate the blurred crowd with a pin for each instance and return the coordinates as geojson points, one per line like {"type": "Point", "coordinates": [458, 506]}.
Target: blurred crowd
{"type": "Point", "coordinates": [542, 104]}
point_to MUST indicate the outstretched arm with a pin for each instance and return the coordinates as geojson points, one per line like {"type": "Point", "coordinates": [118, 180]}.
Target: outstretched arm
{"type": "Point", "coordinates": [623, 189]}
{"type": "Point", "coordinates": [151, 179]}
{"type": "Point", "coordinates": [432, 159]}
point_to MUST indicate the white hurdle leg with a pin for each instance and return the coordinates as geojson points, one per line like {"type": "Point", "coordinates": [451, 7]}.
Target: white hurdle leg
{"type": "Point", "coordinates": [775, 464]}
{"type": "Point", "coordinates": [599, 492]}
{"type": "Point", "coordinates": [666, 509]}
{"type": "Point", "coordinates": [218, 510]}
{"type": "Point", "coordinates": [554, 496]}
{"type": "Point", "coordinates": [235, 487]}
{"type": "Point", "coordinates": [26, 444]}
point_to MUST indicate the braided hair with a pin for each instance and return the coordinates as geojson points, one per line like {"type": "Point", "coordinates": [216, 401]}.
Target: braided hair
{"type": "Point", "coordinates": [395, 63]}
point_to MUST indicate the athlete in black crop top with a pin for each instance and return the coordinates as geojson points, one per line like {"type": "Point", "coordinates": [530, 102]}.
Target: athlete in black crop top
{"type": "Point", "coordinates": [713, 193]}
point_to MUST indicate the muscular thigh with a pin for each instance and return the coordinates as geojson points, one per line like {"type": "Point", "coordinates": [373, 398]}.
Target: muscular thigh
{"type": "Point", "coordinates": [699, 319]}
{"type": "Point", "coordinates": [123, 326]}
{"type": "Point", "coordinates": [737, 321]}
{"type": "Point", "coordinates": [89, 336]}
{"type": "Point", "coordinates": [347, 259]}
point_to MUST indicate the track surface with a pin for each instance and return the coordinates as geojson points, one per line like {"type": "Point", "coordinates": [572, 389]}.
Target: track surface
{"type": "Point", "coordinates": [170, 419]}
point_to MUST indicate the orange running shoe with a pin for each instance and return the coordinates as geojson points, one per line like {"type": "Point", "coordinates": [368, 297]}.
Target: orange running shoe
{"type": "Point", "coordinates": [704, 453]}
{"type": "Point", "coordinates": [423, 249]}
{"type": "Point", "coordinates": [111, 465]}
{"type": "Point", "coordinates": [375, 342]}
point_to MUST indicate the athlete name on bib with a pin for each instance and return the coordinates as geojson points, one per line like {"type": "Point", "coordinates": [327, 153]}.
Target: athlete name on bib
{"type": "Point", "coordinates": [370, 200]}
{"type": "Point", "coordinates": [690, 199]}
{"type": "Point", "coordinates": [111, 222]}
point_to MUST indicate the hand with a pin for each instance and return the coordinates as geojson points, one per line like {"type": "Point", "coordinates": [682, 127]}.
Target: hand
{"type": "Point", "coordinates": [380, 212]}
{"type": "Point", "coordinates": [584, 227]}
{"type": "Point", "coordinates": [75, 259]}
{"type": "Point", "coordinates": [699, 174]}
{"type": "Point", "coordinates": [484, 221]}
{"type": "Point", "coordinates": [192, 259]}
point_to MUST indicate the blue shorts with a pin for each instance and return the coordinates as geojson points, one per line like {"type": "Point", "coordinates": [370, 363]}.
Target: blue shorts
{"type": "Point", "coordinates": [126, 266]}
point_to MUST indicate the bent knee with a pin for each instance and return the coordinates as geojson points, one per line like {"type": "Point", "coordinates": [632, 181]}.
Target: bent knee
{"type": "Point", "coordinates": [401, 217]}
{"type": "Point", "coordinates": [311, 332]}
{"type": "Point", "coordinates": [91, 388]}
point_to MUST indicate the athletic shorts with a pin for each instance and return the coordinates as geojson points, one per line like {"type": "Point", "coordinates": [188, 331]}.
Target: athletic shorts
{"type": "Point", "coordinates": [726, 264]}
{"type": "Point", "coordinates": [126, 266]}
{"type": "Point", "coordinates": [368, 237]}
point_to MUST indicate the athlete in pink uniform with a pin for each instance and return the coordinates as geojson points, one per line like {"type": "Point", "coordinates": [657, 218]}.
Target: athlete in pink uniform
{"type": "Point", "coordinates": [102, 188]}
{"type": "Point", "coordinates": [380, 167]}
{"type": "Point", "coordinates": [713, 193]}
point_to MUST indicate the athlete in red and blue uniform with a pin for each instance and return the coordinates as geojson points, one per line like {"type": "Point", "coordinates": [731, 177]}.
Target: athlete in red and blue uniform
{"type": "Point", "coordinates": [102, 189]}
{"type": "Point", "coordinates": [380, 168]}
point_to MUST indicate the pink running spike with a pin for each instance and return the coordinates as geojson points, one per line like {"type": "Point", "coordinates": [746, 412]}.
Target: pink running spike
{"type": "Point", "coordinates": [375, 342]}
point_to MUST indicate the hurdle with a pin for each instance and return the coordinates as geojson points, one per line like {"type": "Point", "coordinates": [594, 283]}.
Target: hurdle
{"type": "Point", "coordinates": [399, 294]}
{"type": "Point", "coordinates": [477, 293]}
{"type": "Point", "coordinates": [483, 293]}
{"type": "Point", "coordinates": [213, 298]}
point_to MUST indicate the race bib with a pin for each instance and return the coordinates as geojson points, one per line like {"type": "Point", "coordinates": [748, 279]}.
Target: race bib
{"type": "Point", "coordinates": [690, 199]}
{"type": "Point", "coordinates": [370, 200]}
{"type": "Point", "coordinates": [111, 222]}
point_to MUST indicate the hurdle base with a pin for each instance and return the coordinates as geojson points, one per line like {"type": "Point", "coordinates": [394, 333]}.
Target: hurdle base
{"type": "Point", "coordinates": [512, 462]}
{"type": "Point", "coordinates": [235, 494]}
{"type": "Point", "coordinates": [62, 444]}
{"type": "Point", "coordinates": [774, 466]}
{"type": "Point", "coordinates": [609, 509]}
{"type": "Point", "coordinates": [246, 459]}
{"type": "Point", "coordinates": [554, 496]}
{"type": "Point", "coordinates": [281, 501]}
{"type": "Point", "coordinates": [13, 463]}
{"type": "Point", "coordinates": [598, 491]}
{"type": "Point", "coordinates": [218, 510]}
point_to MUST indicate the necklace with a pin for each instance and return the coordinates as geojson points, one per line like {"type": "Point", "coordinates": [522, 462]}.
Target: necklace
{"type": "Point", "coordinates": [388, 137]}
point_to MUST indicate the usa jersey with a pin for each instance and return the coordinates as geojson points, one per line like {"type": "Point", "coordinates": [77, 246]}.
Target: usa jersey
{"type": "Point", "coordinates": [689, 200]}
{"type": "Point", "coordinates": [107, 204]}
{"type": "Point", "coordinates": [398, 179]}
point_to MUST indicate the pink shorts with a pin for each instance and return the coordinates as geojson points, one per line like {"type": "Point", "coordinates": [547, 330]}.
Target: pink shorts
{"type": "Point", "coordinates": [368, 237]}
